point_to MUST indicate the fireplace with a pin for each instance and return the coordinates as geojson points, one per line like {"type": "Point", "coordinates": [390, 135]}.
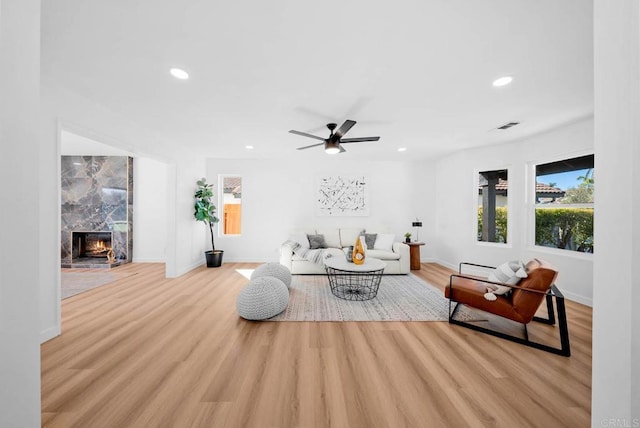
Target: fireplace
{"type": "Point", "coordinates": [90, 246]}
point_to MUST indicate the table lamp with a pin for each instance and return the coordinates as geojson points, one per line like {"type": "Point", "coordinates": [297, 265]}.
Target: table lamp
{"type": "Point", "coordinates": [417, 224]}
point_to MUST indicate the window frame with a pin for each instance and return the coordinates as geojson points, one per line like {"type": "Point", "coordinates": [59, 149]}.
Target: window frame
{"type": "Point", "coordinates": [531, 206]}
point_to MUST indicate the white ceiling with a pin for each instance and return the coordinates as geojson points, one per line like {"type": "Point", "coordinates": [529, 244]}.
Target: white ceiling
{"type": "Point", "coordinates": [416, 72]}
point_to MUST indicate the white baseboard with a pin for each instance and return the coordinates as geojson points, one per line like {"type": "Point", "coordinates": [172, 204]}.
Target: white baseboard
{"type": "Point", "coordinates": [577, 298]}
{"type": "Point", "coordinates": [187, 269]}
{"type": "Point", "coordinates": [445, 264]}
{"type": "Point", "coordinates": [249, 260]}
{"type": "Point", "coordinates": [49, 334]}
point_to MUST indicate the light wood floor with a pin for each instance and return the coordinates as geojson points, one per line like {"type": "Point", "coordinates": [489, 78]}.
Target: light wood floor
{"type": "Point", "coordinates": [146, 351]}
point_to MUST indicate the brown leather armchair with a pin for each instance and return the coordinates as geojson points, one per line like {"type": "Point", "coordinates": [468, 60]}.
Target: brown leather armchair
{"type": "Point", "coordinates": [519, 305]}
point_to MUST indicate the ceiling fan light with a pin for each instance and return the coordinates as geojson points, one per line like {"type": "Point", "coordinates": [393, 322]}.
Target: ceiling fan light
{"type": "Point", "coordinates": [331, 148]}
{"type": "Point", "coordinates": [179, 73]}
{"type": "Point", "coordinates": [502, 81]}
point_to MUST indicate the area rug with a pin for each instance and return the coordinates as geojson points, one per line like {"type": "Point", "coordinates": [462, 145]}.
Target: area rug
{"type": "Point", "coordinates": [400, 298]}
{"type": "Point", "coordinates": [73, 283]}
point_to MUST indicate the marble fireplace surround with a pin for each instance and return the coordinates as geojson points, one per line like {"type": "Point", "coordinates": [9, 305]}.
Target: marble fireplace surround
{"type": "Point", "coordinates": [96, 196]}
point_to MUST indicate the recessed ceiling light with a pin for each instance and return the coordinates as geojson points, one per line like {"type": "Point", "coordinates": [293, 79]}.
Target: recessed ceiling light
{"type": "Point", "coordinates": [248, 147]}
{"type": "Point", "coordinates": [179, 73]}
{"type": "Point", "coordinates": [402, 149]}
{"type": "Point", "coordinates": [502, 81]}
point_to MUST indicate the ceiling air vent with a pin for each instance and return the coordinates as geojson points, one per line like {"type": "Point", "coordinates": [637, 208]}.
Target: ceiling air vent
{"type": "Point", "coordinates": [508, 125]}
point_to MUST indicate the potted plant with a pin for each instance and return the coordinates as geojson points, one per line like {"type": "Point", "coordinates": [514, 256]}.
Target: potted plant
{"type": "Point", "coordinates": [407, 237]}
{"type": "Point", "coordinates": [205, 211]}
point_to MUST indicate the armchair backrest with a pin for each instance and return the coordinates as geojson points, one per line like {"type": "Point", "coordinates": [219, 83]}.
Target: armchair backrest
{"type": "Point", "coordinates": [541, 276]}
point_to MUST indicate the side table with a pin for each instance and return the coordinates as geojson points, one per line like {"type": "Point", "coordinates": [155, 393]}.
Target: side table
{"type": "Point", "coordinates": [414, 252]}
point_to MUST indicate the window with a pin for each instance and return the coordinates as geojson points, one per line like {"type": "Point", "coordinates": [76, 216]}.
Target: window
{"type": "Point", "coordinates": [492, 206]}
{"type": "Point", "coordinates": [564, 204]}
{"type": "Point", "coordinates": [231, 204]}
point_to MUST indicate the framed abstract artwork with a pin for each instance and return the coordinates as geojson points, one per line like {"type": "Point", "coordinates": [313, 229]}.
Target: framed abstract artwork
{"type": "Point", "coordinates": [342, 195]}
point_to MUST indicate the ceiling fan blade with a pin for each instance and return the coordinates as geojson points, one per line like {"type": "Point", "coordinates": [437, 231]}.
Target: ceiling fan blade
{"type": "Point", "coordinates": [359, 139]}
{"type": "Point", "coordinates": [304, 134]}
{"type": "Point", "coordinates": [346, 126]}
{"type": "Point", "coordinates": [342, 150]}
{"type": "Point", "coordinates": [308, 147]}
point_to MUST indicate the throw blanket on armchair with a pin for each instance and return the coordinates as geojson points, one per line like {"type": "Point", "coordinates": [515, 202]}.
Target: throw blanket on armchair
{"type": "Point", "coordinates": [315, 256]}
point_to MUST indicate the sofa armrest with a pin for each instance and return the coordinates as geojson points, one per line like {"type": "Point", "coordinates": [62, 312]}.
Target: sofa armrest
{"type": "Point", "coordinates": [405, 258]}
{"type": "Point", "coordinates": [286, 254]}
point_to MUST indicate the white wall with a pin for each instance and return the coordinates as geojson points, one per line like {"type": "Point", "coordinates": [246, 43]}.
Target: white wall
{"type": "Point", "coordinates": [278, 196]}
{"type": "Point", "coordinates": [423, 197]}
{"type": "Point", "coordinates": [616, 309]}
{"type": "Point", "coordinates": [186, 238]}
{"type": "Point", "coordinates": [21, 198]}
{"type": "Point", "coordinates": [456, 205]}
{"type": "Point", "coordinates": [149, 210]}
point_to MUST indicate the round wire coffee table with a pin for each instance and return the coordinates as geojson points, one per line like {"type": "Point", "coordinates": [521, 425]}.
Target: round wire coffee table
{"type": "Point", "coordinates": [350, 281]}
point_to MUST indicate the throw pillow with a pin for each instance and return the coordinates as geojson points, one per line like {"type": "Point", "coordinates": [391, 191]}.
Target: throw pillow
{"type": "Point", "coordinates": [508, 273]}
{"type": "Point", "coordinates": [369, 239]}
{"type": "Point", "coordinates": [384, 241]}
{"type": "Point", "coordinates": [300, 238]}
{"type": "Point", "coordinates": [316, 241]}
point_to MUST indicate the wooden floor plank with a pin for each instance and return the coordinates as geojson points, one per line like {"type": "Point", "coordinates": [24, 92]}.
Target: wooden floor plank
{"type": "Point", "coordinates": [150, 351]}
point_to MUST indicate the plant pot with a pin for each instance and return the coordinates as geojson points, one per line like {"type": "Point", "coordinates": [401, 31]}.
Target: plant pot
{"type": "Point", "coordinates": [407, 240]}
{"type": "Point", "coordinates": [214, 258]}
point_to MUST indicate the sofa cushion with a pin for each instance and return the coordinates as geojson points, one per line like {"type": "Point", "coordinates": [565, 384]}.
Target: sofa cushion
{"type": "Point", "coordinates": [384, 241]}
{"type": "Point", "coordinates": [383, 254]}
{"type": "Point", "coordinates": [349, 235]}
{"type": "Point", "coordinates": [331, 236]}
{"type": "Point", "coordinates": [316, 241]}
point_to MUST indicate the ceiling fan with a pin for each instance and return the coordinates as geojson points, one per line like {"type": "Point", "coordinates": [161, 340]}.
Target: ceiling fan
{"type": "Point", "coordinates": [333, 144]}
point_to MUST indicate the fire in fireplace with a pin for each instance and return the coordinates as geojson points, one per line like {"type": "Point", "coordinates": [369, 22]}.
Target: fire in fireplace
{"type": "Point", "coordinates": [90, 244]}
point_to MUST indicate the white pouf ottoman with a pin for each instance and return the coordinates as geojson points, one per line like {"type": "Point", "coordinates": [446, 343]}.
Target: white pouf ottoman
{"type": "Point", "coordinates": [275, 270]}
{"type": "Point", "coordinates": [263, 297]}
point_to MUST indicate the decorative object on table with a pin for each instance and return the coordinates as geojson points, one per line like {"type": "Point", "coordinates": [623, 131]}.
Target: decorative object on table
{"type": "Point", "coordinates": [275, 270]}
{"type": "Point", "coordinates": [348, 253]}
{"type": "Point", "coordinates": [407, 237]}
{"type": "Point", "coordinates": [417, 224]}
{"type": "Point", "coordinates": [262, 298]}
{"type": "Point", "coordinates": [342, 195]}
{"type": "Point", "coordinates": [358, 252]}
{"type": "Point", "coordinates": [205, 211]}
{"type": "Point", "coordinates": [332, 145]}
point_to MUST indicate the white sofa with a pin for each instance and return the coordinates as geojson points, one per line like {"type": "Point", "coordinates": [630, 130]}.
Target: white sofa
{"type": "Point", "coordinates": [394, 254]}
